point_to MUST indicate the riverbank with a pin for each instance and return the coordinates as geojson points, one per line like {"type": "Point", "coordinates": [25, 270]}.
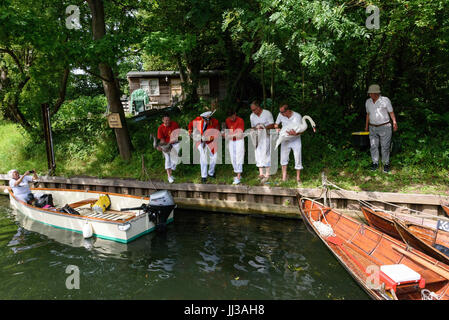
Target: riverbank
{"type": "Point", "coordinates": [95, 155]}
{"type": "Point", "coordinates": [257, 200]}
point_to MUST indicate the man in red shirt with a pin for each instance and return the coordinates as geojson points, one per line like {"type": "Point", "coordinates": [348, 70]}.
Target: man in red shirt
{"type": "Point", "coordinates": [234, 133]}
{"type": "Point", "coordinates": [205, 130]}
{"type": "Point", "coordinates": [167, 134]}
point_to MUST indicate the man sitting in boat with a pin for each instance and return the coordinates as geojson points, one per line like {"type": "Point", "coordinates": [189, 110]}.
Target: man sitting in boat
{"type": "Point", "coordinates": [20, 187]}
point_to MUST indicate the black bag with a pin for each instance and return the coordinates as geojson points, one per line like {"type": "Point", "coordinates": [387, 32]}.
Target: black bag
{"type": "Point", "coordinates": [69, 209]}
{"type": "Point", "coordinates": [46, 199]}
{"type": "Point", "coordinates": [29, 198]}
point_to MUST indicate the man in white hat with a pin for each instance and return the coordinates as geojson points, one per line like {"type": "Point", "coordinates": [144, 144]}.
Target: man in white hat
{"type": "Point", "coordinates": [378, 113]}
{"type": "Point", "coordinates": [20, 185]}
{"type": "Point", "coordinates": [207, 129]}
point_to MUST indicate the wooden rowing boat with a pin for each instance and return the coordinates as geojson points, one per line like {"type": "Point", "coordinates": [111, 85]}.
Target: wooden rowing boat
{"type": "Point", "coordinates": [367, 254]}
{"type": "Point", "coordinates": [114, 224]}
{"type": "Point", "coordinates": [433, 239]}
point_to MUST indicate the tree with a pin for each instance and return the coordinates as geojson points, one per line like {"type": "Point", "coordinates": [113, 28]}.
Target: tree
{"type": "Point", "coordinates": [32, 70]}
{"type": "Point", "coordinates": [110, 82]}
{"type": "Point", "coordinates": [185, 33]}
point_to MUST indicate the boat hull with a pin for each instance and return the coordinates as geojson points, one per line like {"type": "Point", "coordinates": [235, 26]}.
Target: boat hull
{"type": "Point", "coordinates": [446, 210]}
{"type": "Point", "coordinates": [380, 221]}
{"type": "Point", "coordinates": [122, 231]}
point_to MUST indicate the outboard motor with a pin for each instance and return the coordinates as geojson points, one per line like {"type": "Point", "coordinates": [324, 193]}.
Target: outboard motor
{"type": "Point", "coordinates": [159, 208]}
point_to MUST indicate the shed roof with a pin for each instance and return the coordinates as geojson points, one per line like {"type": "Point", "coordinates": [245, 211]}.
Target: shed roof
{"type": "Point", "coordinates": [139, 74]}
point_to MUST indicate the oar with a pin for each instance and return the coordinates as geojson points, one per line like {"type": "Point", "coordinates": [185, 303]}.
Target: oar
{"type": "Point", "coordinates": [423, 262]}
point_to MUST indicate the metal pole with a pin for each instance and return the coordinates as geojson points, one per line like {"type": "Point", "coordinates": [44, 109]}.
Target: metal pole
{"type": "Point", "coordinates": [48, 139]}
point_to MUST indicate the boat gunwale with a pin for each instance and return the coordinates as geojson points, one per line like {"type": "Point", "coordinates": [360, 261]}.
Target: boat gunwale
{"type": "Point", "coordinates": [75, 216]}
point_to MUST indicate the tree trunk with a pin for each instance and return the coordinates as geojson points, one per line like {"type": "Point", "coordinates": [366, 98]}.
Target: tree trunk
{"type": "Point", "coordinates": [264, 91]}
{"type": "Point", "coordinates": [110, 85]}
{"type": "Point", "coordinates": [272, 81]}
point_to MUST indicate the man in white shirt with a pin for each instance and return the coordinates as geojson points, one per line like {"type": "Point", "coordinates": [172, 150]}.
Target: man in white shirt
{"type": "Point", "coordinates": [378, 113]}
{"type": "Point", "coordinates": [287, 117]}
{"type": "Point", "coordinates": [262, 120]}
{"type": "Point", "coordinates": [20, 187]}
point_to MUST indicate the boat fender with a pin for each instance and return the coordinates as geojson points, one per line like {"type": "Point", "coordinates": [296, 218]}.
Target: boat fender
{"type": "Point", "coordinates": [87, 230]}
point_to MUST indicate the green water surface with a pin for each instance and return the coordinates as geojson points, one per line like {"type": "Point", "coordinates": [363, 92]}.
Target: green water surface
{"type": "Point", "coordinates": [200, 256]}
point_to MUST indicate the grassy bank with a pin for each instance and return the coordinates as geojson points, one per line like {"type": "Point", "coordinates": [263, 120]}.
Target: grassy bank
{"type": "Point", "coordinates": [92, 152]}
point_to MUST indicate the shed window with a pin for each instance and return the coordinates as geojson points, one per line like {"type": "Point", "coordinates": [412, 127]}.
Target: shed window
{"type": "Point", "coordinates": [203, 87]}
{"type": "Point", "coordinates": [151, 86]}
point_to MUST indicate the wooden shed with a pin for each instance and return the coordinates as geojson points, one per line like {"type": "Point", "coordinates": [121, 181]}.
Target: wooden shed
{"type": "Point", "coordinates": [164, 87]}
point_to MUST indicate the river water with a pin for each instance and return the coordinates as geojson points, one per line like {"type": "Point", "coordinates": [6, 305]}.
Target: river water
{"type": "Point", "coordinates": [200, 256]}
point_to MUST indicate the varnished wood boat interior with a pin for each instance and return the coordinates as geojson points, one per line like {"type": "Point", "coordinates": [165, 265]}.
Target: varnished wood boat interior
{"type": "Point", "coordinates": [422, 237]}
{"type": "Point", "coordinates": [362, 247]}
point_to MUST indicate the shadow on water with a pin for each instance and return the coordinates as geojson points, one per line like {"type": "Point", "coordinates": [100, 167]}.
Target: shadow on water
{"type": "Point", "coordinates": [200, 256]}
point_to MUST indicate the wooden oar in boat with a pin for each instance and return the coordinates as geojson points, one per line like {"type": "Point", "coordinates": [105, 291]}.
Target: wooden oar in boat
{"type": "Point", "coordinates": [82, 203]}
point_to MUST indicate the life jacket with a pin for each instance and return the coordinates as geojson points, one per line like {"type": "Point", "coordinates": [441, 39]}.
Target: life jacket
{"type": "Point", "coordinates": [103, 203]}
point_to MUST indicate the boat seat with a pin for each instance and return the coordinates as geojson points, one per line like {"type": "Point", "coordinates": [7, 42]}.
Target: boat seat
{"type": "Point", "coordinates": [395, 275]}
{"type": "Point", "coordinates": [82, 203]}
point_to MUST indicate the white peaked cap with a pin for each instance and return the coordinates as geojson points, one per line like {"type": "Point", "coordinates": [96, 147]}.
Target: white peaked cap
{"type": "Point", "coordinates": [207, 114]}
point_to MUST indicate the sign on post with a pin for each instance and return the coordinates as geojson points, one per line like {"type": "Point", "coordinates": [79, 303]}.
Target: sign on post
{"type": "Point", "coordinates": [114, 120]}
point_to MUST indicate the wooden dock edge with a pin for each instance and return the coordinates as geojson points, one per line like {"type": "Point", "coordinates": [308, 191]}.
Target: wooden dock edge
{"type": "Point", "coordinates": [258, 200]}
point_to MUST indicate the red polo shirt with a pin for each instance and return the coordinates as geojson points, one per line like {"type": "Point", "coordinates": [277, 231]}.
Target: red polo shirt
{"type": "Point", "coordinates": [164, 132]}
{"type": "Point", "coordinates": [238, 124]}
{"type": "Point", "coordinates": [198, 122]}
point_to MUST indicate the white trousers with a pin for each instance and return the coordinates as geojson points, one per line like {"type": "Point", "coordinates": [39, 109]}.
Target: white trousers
{"type": "Point", "coordinates": [171, 158]}
{"type": "Point", "coordinates": [295, 146]}
{"type": "Point", "coordinates": [237, 154]}
{"type": "Point", "coordinates": [204, 151]}
{"type": "Point", "coordinates": [263, 152]}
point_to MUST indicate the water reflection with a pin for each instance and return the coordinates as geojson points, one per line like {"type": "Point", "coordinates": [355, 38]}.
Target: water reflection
{"type": "Point", "coordinates": [201, 256]}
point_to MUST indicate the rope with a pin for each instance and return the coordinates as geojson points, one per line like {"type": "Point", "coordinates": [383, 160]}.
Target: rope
{"type": "Point", "coordinates": [429, 295]}
{"type": "Point", "coordinates": [324, 229]}
{"type": "Point", "coordinates": [326, 183]}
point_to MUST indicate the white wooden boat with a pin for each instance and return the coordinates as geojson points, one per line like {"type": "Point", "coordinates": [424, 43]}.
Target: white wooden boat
{"type": "Point", "coordinates": [142, 217]}
{"type": "Point", "coordinates": [115, 249]}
